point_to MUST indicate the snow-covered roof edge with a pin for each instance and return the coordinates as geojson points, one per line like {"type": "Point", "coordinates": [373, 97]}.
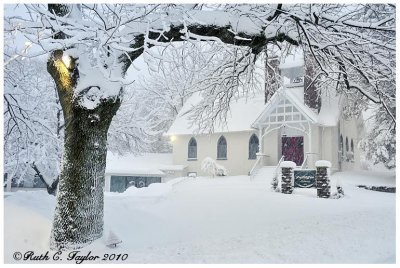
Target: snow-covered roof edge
{"type": "Point", "coordinates": [283, 92]}
{"type": "Point", "coordinates": [242, 112]}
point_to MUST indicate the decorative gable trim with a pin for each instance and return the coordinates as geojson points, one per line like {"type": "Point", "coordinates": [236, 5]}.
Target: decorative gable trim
{"type": "Point", "coordinates": [284, 107]}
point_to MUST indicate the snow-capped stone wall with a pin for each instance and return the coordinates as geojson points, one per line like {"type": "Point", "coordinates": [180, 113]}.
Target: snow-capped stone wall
{"type": "Point", "coordinates": [287, 176]}
{"type": "Point", "coordinates": [322, 178]}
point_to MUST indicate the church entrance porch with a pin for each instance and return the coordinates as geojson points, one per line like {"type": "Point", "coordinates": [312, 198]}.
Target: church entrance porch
{"type": "Point", "coordinates": [293, 149]}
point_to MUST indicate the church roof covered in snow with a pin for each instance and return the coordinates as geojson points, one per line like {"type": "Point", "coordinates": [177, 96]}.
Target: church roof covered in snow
{"type": "Point", "coordinates": [247, 112]}
{"type": "Point", "coordinates": [295, 59]}
{"type": "Point", "coordinates": [330, 109]}
{"type": "Point", "coordinates": [146, 164]}
{"type": "Point", "coordinates": [243, 111]}
{"type": "Point", "coordinates": [277, 108]}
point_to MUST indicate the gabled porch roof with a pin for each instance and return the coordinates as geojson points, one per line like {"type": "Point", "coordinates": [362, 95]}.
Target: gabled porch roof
{"type": "Point", "coordinates": [285, 106]}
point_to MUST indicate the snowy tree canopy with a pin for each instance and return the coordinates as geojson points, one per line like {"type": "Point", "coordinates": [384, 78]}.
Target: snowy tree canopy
{"type": "Point", "coordinates": [33, 122]}
{"type": "Point", "coordinates": [92, 46]}
{"type": "Point", "coordinates": [352, 44]}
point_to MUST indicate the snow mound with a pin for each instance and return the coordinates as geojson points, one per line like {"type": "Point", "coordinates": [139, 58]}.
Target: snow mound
{"type": "Point", "coordinates": [238, 221]}
{"type": "Point", "coordinates": [323, 163]}
{"type": "Point", "coordinates": [40, 200]}
{"type": "Point", "coordinates": [288, 164]}
{"type": "Point", "coordinates": [154, 189]}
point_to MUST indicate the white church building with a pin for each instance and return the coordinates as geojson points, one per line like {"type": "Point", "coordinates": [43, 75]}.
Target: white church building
{"type": "Point", "coordinates": [260, 132]}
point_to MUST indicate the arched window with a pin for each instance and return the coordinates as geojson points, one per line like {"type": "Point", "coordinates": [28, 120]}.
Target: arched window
{"type": "Point", "coordinates": [341, 145]}
{"type": "Point", "coordinates": [221, 148]}
{"type": "Point", "coordinates": [192, 149]}
{"type": "Point", "coordinates": [352, 146]}
{"type": "Point", "coordinates": [352, 149]}
{"type": "Point", "coordinates": [253, 146]}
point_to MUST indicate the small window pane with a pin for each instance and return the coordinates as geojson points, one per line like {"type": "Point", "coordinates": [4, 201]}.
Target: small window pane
{"type": "Point", "coordinates": [280, 118]}
{"type": "Point", "coordinates": [341, 144]}
{"type": "Point", "coordinates": [296, 117]}
{"type": "Point", "coordinates": [222, 148]}
{"type": "Point", "coordinates": [192, 149]}
{"type": "Point", "coordinates": [288, 118]}
{"type": "Point", "coordinates": [280, 110]}
{"type": "Point", "coordinates": [118, 184]}
{"type": "Point", "coordinates": [288, 109]}
{"type": "Point", "coordinates": [272, 118]}
{"type": "Point", "coordinates": [253, 147]}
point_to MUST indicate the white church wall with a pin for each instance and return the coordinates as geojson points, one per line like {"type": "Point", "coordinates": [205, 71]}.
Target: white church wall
{"type": "Point", "coordinates": [272, 147]}
{"type": "Point", "coordinates": [350, 128]}
{"type": "Point", "coordinates": [312, 146]}
{"type": "Point", "coordinates": [237, 162]}
{"type": "Point", "coordinates": [329, 146]}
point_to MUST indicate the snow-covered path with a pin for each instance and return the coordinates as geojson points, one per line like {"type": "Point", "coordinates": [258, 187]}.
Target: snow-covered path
{"type": "Point", "coordinates": [235, 220]}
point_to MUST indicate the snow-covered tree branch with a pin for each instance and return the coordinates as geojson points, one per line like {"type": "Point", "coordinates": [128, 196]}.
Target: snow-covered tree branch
{"type": "Point", "coordinates": [92, 47]}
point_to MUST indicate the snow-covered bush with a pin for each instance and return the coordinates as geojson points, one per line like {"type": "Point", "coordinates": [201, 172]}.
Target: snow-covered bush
{"type": "Point", "coordinates": [211, 167]}
{"type": "Point", "coordinates": [350, 156]}
{"type": "Point", "coordinates": [336, 189]}
{"type": "Point", "coordinates": [276, 182]}
{"type": "Point", "coordinates": [364, 164]}
{"type": "Point", "coordinates": [380, 146]}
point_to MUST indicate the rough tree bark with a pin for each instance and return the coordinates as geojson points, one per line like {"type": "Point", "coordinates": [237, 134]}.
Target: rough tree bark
{"type": "Point", "coordinates": [78, 217]}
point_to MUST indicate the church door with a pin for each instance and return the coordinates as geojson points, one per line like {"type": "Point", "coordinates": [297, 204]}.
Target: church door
{"type": "Point", "coordinates": [293, 149]}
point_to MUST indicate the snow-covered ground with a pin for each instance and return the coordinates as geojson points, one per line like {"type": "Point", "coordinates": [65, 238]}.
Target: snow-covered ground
{"type": "Point", "coordinates": [226, 220]}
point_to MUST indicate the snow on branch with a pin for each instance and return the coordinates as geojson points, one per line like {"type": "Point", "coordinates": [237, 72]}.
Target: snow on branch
{"type": "Point", "coordinates": [357, 41]}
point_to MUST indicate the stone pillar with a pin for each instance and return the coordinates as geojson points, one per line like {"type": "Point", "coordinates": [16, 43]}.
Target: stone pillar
{"type": "Point", "coordinates": [287, 176]}
{"type": "Point", "coordinates": [322, 178]}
